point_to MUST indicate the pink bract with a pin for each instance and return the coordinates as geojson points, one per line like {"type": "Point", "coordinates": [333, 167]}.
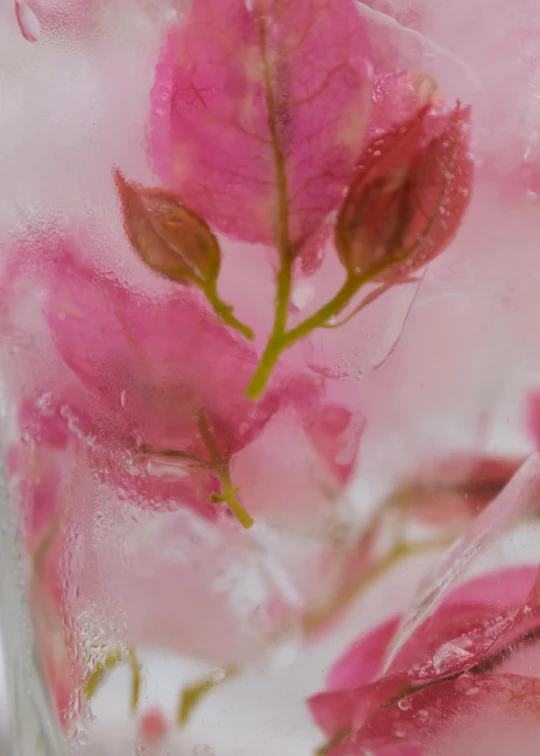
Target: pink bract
{"type": "Point", "coordinates": [260, 112]}
{"type": "Point", "coordinates": [156, 365]}
{"type": "Point", "coordinates": [112, 426]}
{"type": "Point", "coordinates": [472, 644]}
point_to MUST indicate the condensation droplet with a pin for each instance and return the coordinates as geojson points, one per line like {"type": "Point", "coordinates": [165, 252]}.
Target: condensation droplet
{"type": "Point", "coordinates": [218, 675]}
{"type": "Point", "coordinates": [404, 704]}
{"type": "Point", "coordinates": [449, 654]}
{"type": "Point", "coordinates": [423, 715]}
{"type": "Point", "coordinates": [27, 20]}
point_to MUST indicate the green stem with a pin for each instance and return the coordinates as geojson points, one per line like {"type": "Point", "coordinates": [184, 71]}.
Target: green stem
{"type": "Point", "coordinates": [221, 471]}
{"type": "Point", "coordinates": [225, 311]}
{"type": "Point", "coordinates": [229, 497]}
{"type": "Point", "coordinates": [327, 311]}
{"type": "Point", "coordinates": [283, 241]}
{"type": "Point", "coordinates": [274, 346]}
{"type": "Point", "coordinates": [278, 342]}
{"type": "Point", "coordinates": [136, 680]}
{"type": "Point", "coordinates": [111, 661]}
{"type": "Point", "coordinates": [191, 697]}
{"type": "Point", "coordinates": [318, 618]}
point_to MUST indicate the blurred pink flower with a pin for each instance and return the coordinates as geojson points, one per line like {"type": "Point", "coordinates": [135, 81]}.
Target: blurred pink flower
{"type": "Point", "coordinates": [450, 491]}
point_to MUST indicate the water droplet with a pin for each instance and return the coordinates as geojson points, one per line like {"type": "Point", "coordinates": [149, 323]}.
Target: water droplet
{"type": "Point", "coordinates": [449, 654]}
{"type": "Point", "coordinates": [123, 399]}
{"type": "Point", "coordinates": [218, 675]}
{"type": "Point", "coordinates": [404, 704]}
{"type": "Point", "coordinates": [423, 715]}
{"type": "Point", "coordinates": [472, 691]}
{"type": "Point", "coordinates": [27, 20]}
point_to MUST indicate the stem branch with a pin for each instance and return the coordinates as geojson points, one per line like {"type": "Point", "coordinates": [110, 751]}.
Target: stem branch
{"type": "Point", "coordinates": [318, 618]}
{"type": "Point", "coordinates": [225, 311]}
{"type": "Point", "coordinates": [221, 471]}
{"type": "Point", "coordinates": [279, 341]}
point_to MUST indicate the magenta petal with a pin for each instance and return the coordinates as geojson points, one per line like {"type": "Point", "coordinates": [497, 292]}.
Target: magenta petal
{"type": "Point", "coordinates": [338, 712]}
{"type": "Point", "coordinates": [364, 660]}
{"type": "Point", "coordinates": [471, 631]}
{"type": "Point", "coordinates": [516, 499]}
{"type": "Point", "coordinates": [153, 364]}
{"type": "Point", "coordinates": [490, 715]}
{"type": "Point", "coordinates": [244, 100]}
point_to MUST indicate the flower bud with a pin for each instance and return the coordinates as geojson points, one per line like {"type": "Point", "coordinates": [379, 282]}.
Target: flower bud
{"type": "Point", "coordinates": [169, 237]}
{"type": "Point", "coordinates": [408, 197]}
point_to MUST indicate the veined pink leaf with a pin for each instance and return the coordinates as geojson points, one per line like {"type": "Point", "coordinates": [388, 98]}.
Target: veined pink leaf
{"type": "Point", "coordinates": [259, 114]}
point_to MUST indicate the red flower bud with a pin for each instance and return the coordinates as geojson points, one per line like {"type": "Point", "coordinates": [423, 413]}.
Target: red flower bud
{"type": "Point", "coordinates": [169, 237]}
{"type": "Point", "coordinates": [408, 197]}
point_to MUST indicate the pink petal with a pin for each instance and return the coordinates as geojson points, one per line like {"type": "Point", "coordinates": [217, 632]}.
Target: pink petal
{"type": "Point", "coordinates": [364, 660]}
{"type": "Point", "coordinates": [341, 711]}
{"type": "Point", "coordinates": [453, 489]}
{"type": "Point", "coordinates": [467, 631]}
{"type": "Point", "coordinates": [214, 136]}
{"type": "Point", "coordinates": [518, 496]}
{"type": "Point", "coordinates": [397, 97]}
{"type": "Point", "coordinates": [335, 432]}
{"type": "Point", "coordinates": [152, 376]}
{"type": "Point", "coordinates": [477, 715]}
